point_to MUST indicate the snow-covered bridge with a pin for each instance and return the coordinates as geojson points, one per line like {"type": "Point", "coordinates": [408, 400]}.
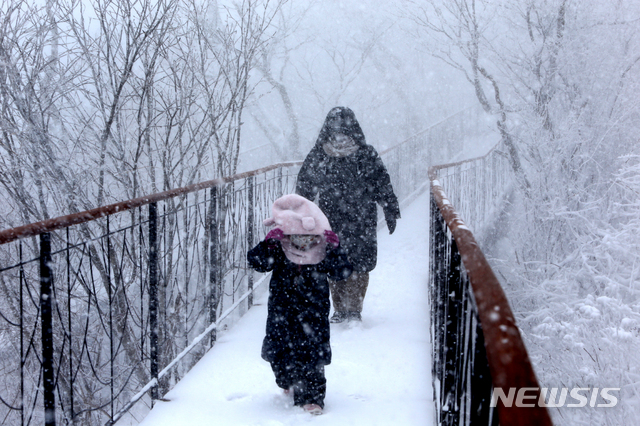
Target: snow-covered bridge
{"type": "Point", "coordinates": [381, 369]}
{"type": "Point", "coordinates": [148, 303]}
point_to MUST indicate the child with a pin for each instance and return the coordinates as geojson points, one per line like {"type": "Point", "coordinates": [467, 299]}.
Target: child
{"type": "Point", "coordinates": [302, 252]}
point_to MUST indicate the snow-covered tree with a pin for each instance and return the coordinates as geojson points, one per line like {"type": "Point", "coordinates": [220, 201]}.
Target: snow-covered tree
{"type": "Point", "coordinates": [561, 78]}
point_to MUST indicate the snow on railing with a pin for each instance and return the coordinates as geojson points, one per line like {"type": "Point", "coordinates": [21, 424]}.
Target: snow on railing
{"type": "Point", "coordinates": [477, 347]}
{"type": "Point", "coordinates": [112, 306]}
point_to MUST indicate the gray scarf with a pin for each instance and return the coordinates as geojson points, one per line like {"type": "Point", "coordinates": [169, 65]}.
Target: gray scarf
{"type": "Point", "coordinates": [340, 145]}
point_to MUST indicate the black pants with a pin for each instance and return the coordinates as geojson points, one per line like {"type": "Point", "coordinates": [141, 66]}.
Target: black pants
{"type": "Point", "coordinates": [307, 380]}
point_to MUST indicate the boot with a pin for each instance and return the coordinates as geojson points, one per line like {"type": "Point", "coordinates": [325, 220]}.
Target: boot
{"type": "Point", "coordinates": [314, 409]}
{"type": "Point", "coordinates": [354, 316]}
{"type": "Point", "coordinates": [339, 316]}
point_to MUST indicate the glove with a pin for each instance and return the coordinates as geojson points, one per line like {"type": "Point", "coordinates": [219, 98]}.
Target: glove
{"type": "Point", "coordinates": [331, 238]}
{"type": "Point", "coordinates": [274, 236]}
{"type": "Point", "coordinates": [391, 224]}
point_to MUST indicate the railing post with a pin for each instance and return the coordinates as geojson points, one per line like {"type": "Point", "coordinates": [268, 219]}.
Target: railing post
{"type": "Point", "coordinates": [22, 356]}
{"type": "Point", "coordinates": [250, 228]}
{"type": "Point", "coordinates": [46, 310]}
{"type": "Point", "coordinates": [481, 387]}
{"type": "Point", "coordinates": [453, 322]}
{"type": "Point", "coordinates": [110, 292]}
{"type": "Point", "coordinates": [72, 414]}
{"type": "Point", "coordinates": [213, 262]}
{"type": "Point", "coordinates": [153, 295]}
{"type": "Point", "coordinates": [438, 248]}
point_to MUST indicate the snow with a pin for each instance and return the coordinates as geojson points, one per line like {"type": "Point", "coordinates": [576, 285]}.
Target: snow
{"type": "Point", "coordinates": [381, 369]}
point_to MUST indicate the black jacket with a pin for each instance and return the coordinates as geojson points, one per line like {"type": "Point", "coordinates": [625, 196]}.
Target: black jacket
{"type": "Point", "coordinates": [348, 189]}
{"type": "Point", "coordinates": [298, 308]}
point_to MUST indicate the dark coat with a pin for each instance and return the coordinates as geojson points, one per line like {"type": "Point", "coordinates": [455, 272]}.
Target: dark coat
{"type": "Point", "coordinates": [348, 189]}
{"type": "Point", "coordinates": [298, 308]}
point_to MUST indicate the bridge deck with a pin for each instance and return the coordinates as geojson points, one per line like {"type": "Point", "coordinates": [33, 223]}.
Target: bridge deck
{"type": "Point", "coordinates": [381, 370]}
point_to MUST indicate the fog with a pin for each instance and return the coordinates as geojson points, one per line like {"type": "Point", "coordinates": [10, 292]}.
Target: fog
{"type": "Point", "coordinates": [364, 55]}
{"type": "Point", "coordinates": [105, 101]}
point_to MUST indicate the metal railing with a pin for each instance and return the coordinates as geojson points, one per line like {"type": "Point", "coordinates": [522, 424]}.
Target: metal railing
{"type": "Point", "coordinates": [102, 306]}
{"type": "Point", "coordinates": [106, 308]}
{"type": "Point", "coordinates": [477, 346]}
{"type": "Point", "coordinates": [477, 187]}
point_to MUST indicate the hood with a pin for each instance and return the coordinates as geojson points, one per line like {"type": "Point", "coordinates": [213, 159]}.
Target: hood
{"type": "Point", "coordinates": [341, 120]}
{"type": "Point", "coordinates": [297, 215]}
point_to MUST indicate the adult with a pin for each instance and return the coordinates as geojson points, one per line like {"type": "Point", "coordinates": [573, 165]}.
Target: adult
{"type": "Point", "coordinates": [349, 179]}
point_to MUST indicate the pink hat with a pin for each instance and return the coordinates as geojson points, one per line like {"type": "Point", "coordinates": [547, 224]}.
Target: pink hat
{"type": "Point", "coordinates": [295, 214]}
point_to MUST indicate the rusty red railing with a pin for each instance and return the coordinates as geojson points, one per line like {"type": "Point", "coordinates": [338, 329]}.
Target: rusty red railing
{"type": "Point", "coordinates": [477, 345]}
